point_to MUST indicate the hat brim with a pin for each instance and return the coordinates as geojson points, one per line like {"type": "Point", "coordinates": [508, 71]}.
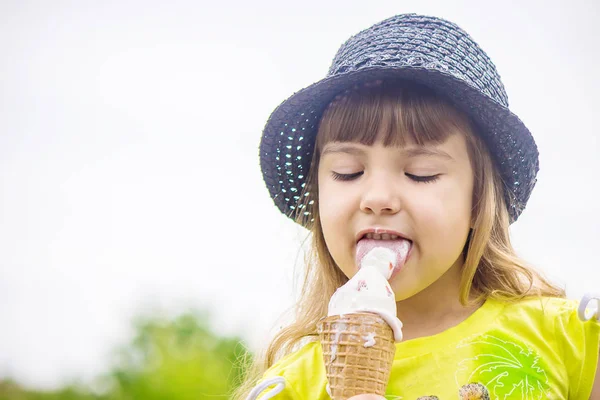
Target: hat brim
{"type": "Point", "coordinates": [288, 137]}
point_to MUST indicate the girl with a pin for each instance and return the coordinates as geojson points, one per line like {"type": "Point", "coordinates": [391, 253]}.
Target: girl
{"type": "Point", "coordinates": [409, 137]}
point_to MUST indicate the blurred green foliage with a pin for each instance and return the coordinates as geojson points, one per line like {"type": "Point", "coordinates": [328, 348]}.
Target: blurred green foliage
{"type": "Point", "coordinates": [178, 359]}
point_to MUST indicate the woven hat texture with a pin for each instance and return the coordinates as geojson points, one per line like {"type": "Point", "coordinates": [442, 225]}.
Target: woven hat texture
{"type": "Point", "coordinates": [426, 50]}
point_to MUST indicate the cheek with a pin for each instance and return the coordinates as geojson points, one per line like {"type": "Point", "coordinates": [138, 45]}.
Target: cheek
{"type": "Point", "coordinates": [447, 213]}
{"type": "Point", "coordinates": [327, 210]}
{"type": "Point", "coordinates": [335, 214]}
{"type": "Point", "coordinates": [330, 215]}
{"type": "Point", "coordinates": [335, 204]}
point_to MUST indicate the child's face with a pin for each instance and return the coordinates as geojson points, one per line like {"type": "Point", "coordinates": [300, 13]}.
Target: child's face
{"type": "Point", "coordinates": [424, 193]}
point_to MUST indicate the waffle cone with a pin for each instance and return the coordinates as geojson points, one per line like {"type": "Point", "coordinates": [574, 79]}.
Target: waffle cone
{"type": "Point", "coordinates": [353, 368]}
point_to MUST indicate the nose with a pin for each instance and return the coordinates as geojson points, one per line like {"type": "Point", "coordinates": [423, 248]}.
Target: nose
{"type": "Point", "coordinates": [380, 197]}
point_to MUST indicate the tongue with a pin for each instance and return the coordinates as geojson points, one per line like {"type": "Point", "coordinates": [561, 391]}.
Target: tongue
{"type": "Point", "coordinates": [399, 247]}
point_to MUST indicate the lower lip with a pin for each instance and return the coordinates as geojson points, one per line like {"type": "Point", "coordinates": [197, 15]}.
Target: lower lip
{"type": "Point", "coordinates": [398, 269]}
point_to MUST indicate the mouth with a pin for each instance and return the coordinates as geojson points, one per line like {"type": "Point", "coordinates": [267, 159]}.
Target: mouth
{"type": "Point", "coordinates": [399, 243]}
{"type": "Point", "coordinates": [380, 234]}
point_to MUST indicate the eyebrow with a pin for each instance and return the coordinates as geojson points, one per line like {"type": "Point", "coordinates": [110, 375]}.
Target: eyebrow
{"type": "Point", "coordinates": [342, 148]}
{"type": "Point", "coordinates": [410, 152]}
{"type": "Point", "coordinates": [427, 151]}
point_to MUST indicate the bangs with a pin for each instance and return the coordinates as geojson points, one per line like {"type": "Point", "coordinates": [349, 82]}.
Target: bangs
{"type": "Point", "coordinates": [397, 113]}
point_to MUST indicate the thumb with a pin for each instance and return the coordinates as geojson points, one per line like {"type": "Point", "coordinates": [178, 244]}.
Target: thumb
{"type": "Point", "coordinates": [367, 397]}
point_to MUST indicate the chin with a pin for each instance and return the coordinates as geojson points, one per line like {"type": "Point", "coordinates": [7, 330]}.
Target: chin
{"type": "Point", "coordinates": [403, 292]}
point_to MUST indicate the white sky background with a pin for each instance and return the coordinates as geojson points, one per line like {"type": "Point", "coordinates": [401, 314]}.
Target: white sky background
{"type": "Point", "coordinates": [129, 158]}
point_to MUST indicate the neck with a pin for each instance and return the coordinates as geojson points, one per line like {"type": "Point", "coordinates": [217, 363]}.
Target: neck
{"type": "Point", "coordinates": [436, 308]}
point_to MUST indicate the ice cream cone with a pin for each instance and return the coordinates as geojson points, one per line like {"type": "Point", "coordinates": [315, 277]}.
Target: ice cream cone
{"type": "Point", "coordinates": [358, 351]}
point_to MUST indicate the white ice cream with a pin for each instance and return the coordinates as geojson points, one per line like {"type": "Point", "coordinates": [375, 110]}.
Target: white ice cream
{"type": "Point", "coordinates": [369, 291]}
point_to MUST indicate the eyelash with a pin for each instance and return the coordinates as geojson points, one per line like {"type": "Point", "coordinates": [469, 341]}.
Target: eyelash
{"type": "Point", "coordinates": [424, 179]}
{"type": "Point", "coordinates": [345, 177]}
{"type": "Point", "coordinates": [416, 178]}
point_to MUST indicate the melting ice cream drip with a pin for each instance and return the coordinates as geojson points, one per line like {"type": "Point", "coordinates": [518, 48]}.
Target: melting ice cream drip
{"type": "Point", "coordinates": [336, 340]}
{"type": "Point", "coordinates": [369, 339]}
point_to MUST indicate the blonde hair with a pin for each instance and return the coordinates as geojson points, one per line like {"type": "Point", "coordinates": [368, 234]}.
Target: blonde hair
{"type": "Point", "coordinates": [400, 112]}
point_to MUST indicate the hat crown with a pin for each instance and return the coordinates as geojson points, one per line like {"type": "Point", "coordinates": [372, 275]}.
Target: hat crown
{"type": "Point", "coordinates": [414, 41]}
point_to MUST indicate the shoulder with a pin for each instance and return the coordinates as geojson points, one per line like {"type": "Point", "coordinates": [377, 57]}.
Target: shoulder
{"type": "Point", "coordinates": [303, 371]}
{"type": "Point", "coordinates": [308, 357]}
{"type": "Point", "coordinates": [553, 316]}
{"type": "Point", "coordinates": [548, 314]}
{"type": "Point", "coordinates": [549, 305]}
{"type": "Point", "coordinates": [542, 308]}
{"type": "Point", "coordinates": [553, 320]}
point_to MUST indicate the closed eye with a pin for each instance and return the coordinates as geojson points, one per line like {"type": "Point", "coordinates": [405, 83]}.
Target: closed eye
{"type": "Point", "coordinates": [423, 179]}
{"type": "Point", "coordinates": [417, 178]}
{"type": "Point", "coordinates": [345, 177]}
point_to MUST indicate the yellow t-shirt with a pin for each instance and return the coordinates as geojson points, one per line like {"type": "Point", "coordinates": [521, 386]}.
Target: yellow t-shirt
{"type": "Point", "coordinates": [534, 349]}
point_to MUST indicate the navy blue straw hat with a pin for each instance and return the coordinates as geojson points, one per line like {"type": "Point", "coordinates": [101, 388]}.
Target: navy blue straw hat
{"type": "Point", "coordinates": [426, 50]}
